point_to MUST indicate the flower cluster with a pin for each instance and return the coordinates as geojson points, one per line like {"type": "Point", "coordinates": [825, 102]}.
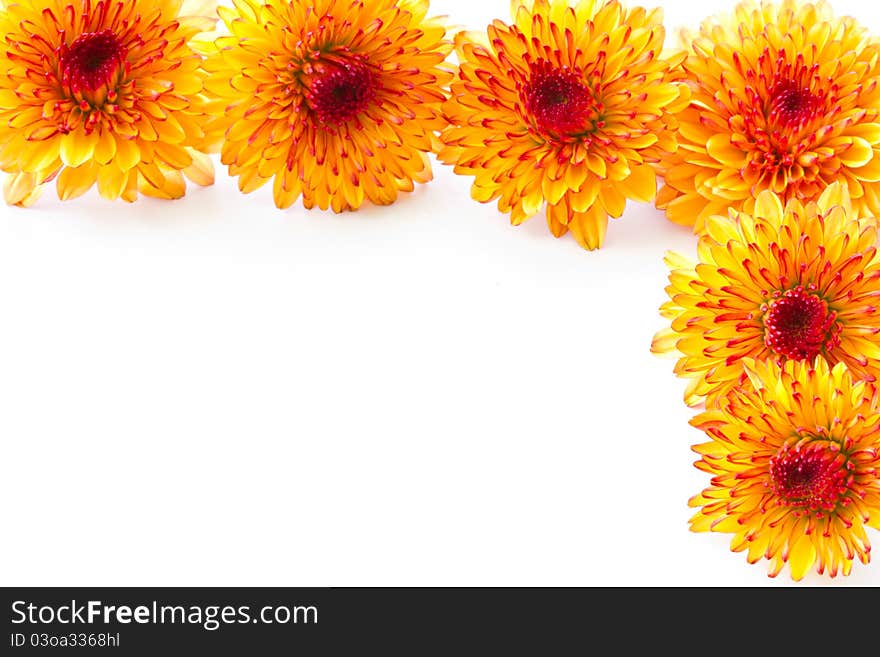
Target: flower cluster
{"type": "Point", "coordinates": [336, 101]}
{"type": "Point", "coordinates": [776, 325]}
{"type": "Point", "coordinates": [762, 132]}
{"type": "Point", "coordinates": [776, 329]}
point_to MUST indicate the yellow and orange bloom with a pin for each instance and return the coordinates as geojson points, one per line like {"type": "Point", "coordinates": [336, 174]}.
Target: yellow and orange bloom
{"type": "Point", "coordinates": [570, 107]}
{"type": "Point", "coordinates": [337, 101]}
{"type": "Point", "coordinates": [102, 91]}
{"type": "Point", "coordinates": [794, 462]}
{"type": "Point", "coordinates": [792, 282]}
{"type": "Point", "coordinates": [785, 97]}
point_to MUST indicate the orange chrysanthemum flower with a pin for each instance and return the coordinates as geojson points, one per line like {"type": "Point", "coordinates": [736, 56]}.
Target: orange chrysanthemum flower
{"type": "Point", "coordinates": [794, 463]}
{"type": "Point", "coordinates": [337, 100]}
{"type": "Point", "coordinates": [102, 91]}
{"type": "Point", "coordinates": [570, 106]}
{"type": "Point", "coordinates": [788, 283]}
{"type": "Point", "coordinates": [785, 98]}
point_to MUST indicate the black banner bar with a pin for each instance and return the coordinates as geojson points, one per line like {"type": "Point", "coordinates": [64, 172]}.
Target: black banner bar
{"type": "Point", "coordinates": [365, 621]}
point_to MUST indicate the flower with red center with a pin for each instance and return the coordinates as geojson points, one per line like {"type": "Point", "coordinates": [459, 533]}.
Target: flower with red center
{"type": "Point", "coordinates": [794, 461]}
{"type": "Point", "coordinates": [102, 91]}
{"type": "Point", "coordinates": [570, 107]}
{"type": "Point", "coordinates": [785, 97]}
{"type": "Point", "coordinates": [792, 282]}
{"type": "Point", "coordinates": [335, 101]}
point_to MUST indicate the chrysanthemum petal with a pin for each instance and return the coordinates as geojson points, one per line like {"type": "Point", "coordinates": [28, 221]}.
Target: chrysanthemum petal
{"type": "Point", "coordinates": [111, 182]}
{"type": "Point", "coordinates": [720, 148]}
{"type": "Point", "coordinates": [856, 153]}
{"type": "Point", "coordinates": [74, 182]}
{"type": "Point", "coordinates": [589, 227]}
{"type": "Point", "coordinates": [20, 189]}
{"type": "Point", "coordinates": [869, 172]}
{"type": "Point", "coordinates": [558, 218]}
{"type": "Point", "coordinates": [173, 186]}
{"type": "Point", "coordinates": [835, 195]}
{"type": "Point", "coordinates": [77, 147]}
{"type": "Point", "coordinates": [105, 148]}
{"type": "Point", "coordinates": [128, 154]}
{"type": "Point", "coordinates": [665, 342]}
{"type": "Point", "coordinates": [201, 171]}
{"type": "Point", "coordinates": [641, 184]}
{"type": "Point", "coordinates": [613, 200]}
{"type": "Point", "coordinates": [583, 199]}
{"type": "Point", "coordinates": [769, 206]}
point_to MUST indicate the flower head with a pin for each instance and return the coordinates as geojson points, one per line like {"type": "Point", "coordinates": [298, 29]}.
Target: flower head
{"type": "Point", "coordinates": [786, 283]}
{"type": "Point", "coordinates": [568, 107]}
{"type": "Point", "coordinates": [337, 101]}
{"type": "Point", "coordinates": [794, 462]}
{"type": "Point", "coordinates": [785, 97]}
{"type": "Point", "coordinates": [102, 91]}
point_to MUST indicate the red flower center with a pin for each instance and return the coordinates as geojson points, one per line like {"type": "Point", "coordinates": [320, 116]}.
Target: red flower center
{"type": "Point", "coordinates": [791, 105]}
{"type": "Point", "coordinates": [337, 90]}
{"type": "Point", "coordinates": [559, 101]}
{"type": "Point", "coordinates": [799, 325]}
{"type": "Point", "coordinates": [91, 61]}
{"type": "Point", "coordinates": [786, 101]}
{"type": "Point", "coordinates": [810, 474]}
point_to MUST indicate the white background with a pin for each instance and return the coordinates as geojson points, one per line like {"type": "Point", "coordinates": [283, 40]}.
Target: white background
{"type": "Point", "coordinates": [216, 392]}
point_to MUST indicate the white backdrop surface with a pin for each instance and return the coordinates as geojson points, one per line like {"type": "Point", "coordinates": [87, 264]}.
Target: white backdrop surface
{"type": "Point", "coordinates": [216, 392]}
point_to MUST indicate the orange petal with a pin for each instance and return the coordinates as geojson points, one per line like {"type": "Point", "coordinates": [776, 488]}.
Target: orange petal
{"type": "Point", "coordinates": [201, 171]}
{"type": "Point", "coordinates": [21, 189]}
{"type": "Point", "coordinates": [641, 184]}
{"type": "Point", "coordinates": [77, 147]}
{"type": "Point", "coordinates": [589, 227]}
{"type": "Point", "coordinates": [857, 154]}
{"type": "Point", "coordinates": [73, 182]}
{"type": "Point", "coordinates": [720, 149]}
{"type": "Point", "coordinates": [685, 209]}
{"type": "Point", "coordinates": [111, 181]}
